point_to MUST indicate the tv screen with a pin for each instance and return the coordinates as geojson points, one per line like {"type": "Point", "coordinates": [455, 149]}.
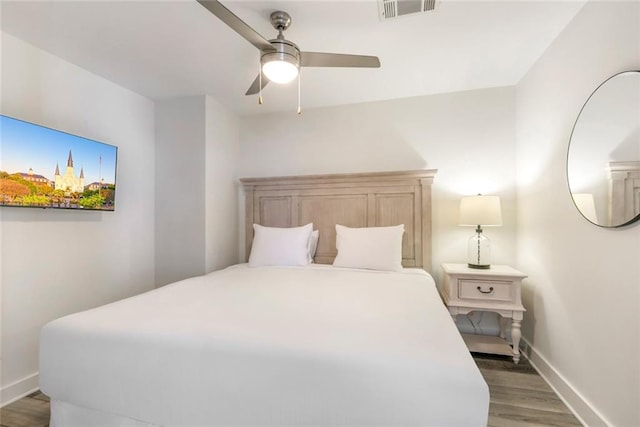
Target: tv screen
{"type": "Point", "coordinates": [46, 168]}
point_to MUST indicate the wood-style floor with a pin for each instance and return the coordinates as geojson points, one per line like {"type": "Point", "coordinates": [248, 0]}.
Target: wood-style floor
{"type": "Point", "coordinates": [519, 397]}
{"type": "Point", "coordinates": [30, 411]}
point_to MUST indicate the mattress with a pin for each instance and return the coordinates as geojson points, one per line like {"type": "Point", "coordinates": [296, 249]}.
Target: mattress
{"type": "Point", "coordinates": [272, 346]}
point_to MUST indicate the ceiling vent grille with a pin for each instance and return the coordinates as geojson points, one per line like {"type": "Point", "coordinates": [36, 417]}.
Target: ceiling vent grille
{"type": "Point", "coordinates": [392, 9]}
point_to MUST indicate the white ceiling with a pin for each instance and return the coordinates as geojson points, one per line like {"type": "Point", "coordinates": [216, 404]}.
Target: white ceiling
{"type": "Point", "coordinates": [164, 49]}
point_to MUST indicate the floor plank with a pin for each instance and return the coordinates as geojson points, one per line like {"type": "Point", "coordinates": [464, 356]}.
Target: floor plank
{"type": "Point", "coordinates": [529, 399]}
{"type": "Point", "coordinates": [514, 380]}
{"type": "Point", "coordinates": [519, 397]}
{"type": "Point", "coordinates": [30, 411]}
{"type": "Point", "coordinates": [511, 415]}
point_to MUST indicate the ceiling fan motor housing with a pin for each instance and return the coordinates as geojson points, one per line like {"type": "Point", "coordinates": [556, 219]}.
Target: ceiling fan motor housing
{"type": "Point", "coordinates": [284, 51]}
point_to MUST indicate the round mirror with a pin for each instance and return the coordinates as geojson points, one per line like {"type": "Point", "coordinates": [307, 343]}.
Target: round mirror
{"type": "Point", "coordinates": [603, 163]}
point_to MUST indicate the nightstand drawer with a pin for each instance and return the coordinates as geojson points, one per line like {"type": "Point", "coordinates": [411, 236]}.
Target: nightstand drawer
{"type": "Point", "coordinates": [493, 290]}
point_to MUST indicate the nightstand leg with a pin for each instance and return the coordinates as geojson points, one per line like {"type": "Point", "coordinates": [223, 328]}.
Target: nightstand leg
{"type": "Point", "coordinates": [502, 327]}
{"type": "Point", "coordinates": [515, 339]}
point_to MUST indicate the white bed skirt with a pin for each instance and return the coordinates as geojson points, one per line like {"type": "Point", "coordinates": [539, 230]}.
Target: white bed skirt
{"type": "Point", "coordinates": [65, 414]}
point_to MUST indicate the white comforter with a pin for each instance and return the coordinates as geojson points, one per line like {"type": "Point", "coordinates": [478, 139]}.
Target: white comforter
{"type": "Point", "coordinates": [270, 346]}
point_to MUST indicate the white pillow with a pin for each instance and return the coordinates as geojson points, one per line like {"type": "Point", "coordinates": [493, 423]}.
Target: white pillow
{"type": "Point", "coordinates": [280, 246]}
{"type": "Point", "coordinates": [313, 244]}
{"type": "Point", "coordinates": [374, 248]}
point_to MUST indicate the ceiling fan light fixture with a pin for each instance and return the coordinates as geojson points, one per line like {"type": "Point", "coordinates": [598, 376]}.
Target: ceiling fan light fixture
{"type": "Point", "coordinates": [283, 64]}
{"type": "Point", "coordinates": [279, 70]}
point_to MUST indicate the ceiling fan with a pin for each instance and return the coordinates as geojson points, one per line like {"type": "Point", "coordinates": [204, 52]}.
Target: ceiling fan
{"type": "Point", "coordinates": [281, 59]}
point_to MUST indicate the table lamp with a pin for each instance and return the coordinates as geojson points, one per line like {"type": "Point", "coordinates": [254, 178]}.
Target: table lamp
{"type": "Point", "coordinates": [480, 211]}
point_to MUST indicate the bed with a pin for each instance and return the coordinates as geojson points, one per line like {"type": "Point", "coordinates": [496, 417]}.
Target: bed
{"type": "Point", "coordinates": [279, 345]}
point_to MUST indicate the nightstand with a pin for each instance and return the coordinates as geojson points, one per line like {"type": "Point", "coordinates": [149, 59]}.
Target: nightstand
{"type": "Point", "coordinates": [497, 289]}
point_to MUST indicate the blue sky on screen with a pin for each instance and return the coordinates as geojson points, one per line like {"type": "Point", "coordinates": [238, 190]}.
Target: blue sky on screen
{"type": "Point", "coordinates": [24, 145]}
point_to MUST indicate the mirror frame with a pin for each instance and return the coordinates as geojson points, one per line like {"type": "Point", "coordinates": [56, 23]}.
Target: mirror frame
{"type": "Point", "coordinates": [635, 218]}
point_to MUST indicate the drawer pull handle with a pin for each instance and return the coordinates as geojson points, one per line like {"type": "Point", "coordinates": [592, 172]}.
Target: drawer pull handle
{"type": "Point", "coordinates": [485, 292]}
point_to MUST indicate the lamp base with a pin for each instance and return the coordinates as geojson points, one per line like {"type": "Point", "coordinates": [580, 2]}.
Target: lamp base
{"type": "Point", "coordinates": [479, 251]}
{"type": "Point", "coordinates": [481, 267]}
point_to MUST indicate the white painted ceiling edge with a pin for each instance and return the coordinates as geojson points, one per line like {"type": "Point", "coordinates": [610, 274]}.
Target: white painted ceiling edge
{"type": "Point", "coordinates": [167, 49]}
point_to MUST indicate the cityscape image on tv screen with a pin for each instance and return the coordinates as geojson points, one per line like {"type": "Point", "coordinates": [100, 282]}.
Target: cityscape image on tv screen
{"type": "Point", "coordinates": [46, 168]}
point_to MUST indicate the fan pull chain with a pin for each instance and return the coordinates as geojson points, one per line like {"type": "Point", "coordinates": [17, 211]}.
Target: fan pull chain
{"type": "Point", "coordinates": [299, 109]}
{"type": "Point", "coordinates": [260, 85]}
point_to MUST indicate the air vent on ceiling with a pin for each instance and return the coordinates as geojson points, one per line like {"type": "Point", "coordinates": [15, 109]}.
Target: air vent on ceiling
{"type": "Point", "coordinates": [391, 9]}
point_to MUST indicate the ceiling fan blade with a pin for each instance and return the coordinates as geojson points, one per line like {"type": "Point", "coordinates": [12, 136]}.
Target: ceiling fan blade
{"type": "Point", "coordinates": [255, 86]}
{"type": "Point", "coordinates": [319, 59]}
{"type": "Point", "coordinates": [236, 24]}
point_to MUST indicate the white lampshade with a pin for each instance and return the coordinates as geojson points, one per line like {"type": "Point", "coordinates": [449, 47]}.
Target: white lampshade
{"type": "Point", "coordinates": [480, 210]}
{"type": "Point", "coordinates": [280, 71]}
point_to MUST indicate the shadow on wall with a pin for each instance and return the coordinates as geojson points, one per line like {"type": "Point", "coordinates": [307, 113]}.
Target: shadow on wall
{"type": "Point", "coordinates": [22, 214]}
{"type": "Point", "coordinates": [331, 143]}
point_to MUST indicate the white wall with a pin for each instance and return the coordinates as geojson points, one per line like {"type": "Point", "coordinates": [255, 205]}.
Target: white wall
{"type": "Point", "coordinates": [56, 262]}
{"type": "Point", "coordinates": [180, 187]}
{"type": "Point", "coordinates": [583, 291]}
{"type": "Point", "coordinates": [221, 188]}
{"type": "Point", "coordinates": [467, 136]}
{"type": "Point", "coordinates": [196, 188]}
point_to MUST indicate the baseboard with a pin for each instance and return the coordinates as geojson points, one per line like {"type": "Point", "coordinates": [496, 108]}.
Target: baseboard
{"type": "Point", "coordinates": [580, 407]}
{"type": "Point", "coordinates": [19, 389]}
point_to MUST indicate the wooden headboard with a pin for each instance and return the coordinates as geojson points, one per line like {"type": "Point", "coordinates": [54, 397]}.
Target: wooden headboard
{"type": "Point", "coordinates": [354, 200]}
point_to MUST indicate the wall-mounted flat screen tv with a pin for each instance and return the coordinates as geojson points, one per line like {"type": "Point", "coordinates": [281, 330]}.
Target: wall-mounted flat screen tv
{"type": "Point", "coordinates": [46, 168]}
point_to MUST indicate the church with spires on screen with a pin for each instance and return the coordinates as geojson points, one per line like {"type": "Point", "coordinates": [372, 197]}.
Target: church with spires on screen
{"type": "Point", "coordinates": [69, 181]}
